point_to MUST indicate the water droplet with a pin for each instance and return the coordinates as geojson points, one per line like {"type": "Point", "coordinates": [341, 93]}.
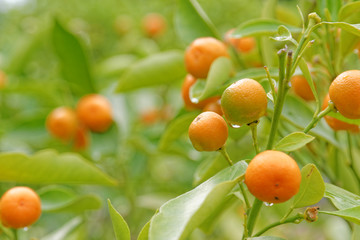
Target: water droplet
{"type": "Point", "coordinates": [194, 100]}
{"type": "Point", "coordinates": [234, 126]}
{"type": "Point", "coordinates": [25, 229]}
{"type": "Point", "coordinates": [268, 204]}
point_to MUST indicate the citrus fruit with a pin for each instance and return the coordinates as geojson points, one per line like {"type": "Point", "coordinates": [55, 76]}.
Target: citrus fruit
{"type": "Point", "coordinates": [201, 53]}
{"type": "Point", "coordinates": [62, 123]}
{"type": "Point", "coordinates": [344, 91]}
{"type": "Point", "coordinates": [301, 87]}
{"type": "Point", "coordinates": [94, 111]}
{"type": "Point", "coordinates": [20, 207]}
{"type": "Point", "coordinates": [336, 124]}
{"type": "Point", "coordinates": [153, 24]}
{"type": "Point", "coordinates": [243, 45]}
{"type": "Point", "coordinates": [243, 102]}
{"type": "Point", "coordinates": [208, 132]}
{"type": "Point", "coordinates": [273, 177]}
{"type": "Point", "coordinates": [213, 106]}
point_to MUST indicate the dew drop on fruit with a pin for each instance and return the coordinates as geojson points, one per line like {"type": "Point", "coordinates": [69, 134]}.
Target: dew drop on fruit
{"type": "Point", "coordinates": [234, 126]}
{"type": "Point", "coordinates": [194, 100]}
{"type": "Point", "coordinates": [25, 229]}
{"type": "Point", "coordinates": [268, 204]}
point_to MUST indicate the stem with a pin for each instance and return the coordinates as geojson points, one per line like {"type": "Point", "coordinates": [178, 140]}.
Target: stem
{"type": "Point", "coordinates": [16, 236]}
{"type": "Point", "coordinates": [279, 101]}
{"type": "Point", "coordinates": [223, 151]}
{"type": "Point", "coordinates": [253, 127]}
{"type": "Point", "coordinates": [254, 212]}
{"type": "Point", "coordinates": [293, 219]}
{"type": "Point", "coordinates": [315, 120]}
{"type": "Point", "coordinates": [351, 158]}
{"type": "Point", "coordinates": [271, 83]}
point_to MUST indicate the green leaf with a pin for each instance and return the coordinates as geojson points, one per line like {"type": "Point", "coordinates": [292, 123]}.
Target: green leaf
{"type": "Point", "coordinates": [65, 230]}
{"type": "Point", "coordinates": [121, 229]}
{"type": "Point", "coordinates": [176, 128]}
{"type": "Point", "coordinates": [261, 27]}
{"type": "Point", "coordinates": [293, 141]}
{"type": "Point", "coordinates": [157, 69]}
{"type": "Point", "coordinates": [338, 116]}
{"type": "Point", "coordinates": [144, 233]}
{"type": "Point", "coordinates": [219, 72]}
{"type": "Point", "coordinates": [191, 22]}
{"type": "Point", "coordinates": [312, 187]}
{"type": "Point", "coordinates": [266, 238]}
{"type": "Point", "coordinates": [115, 66]}
{"type": "Point", "coordinates": [49, 167]}
{"type": "Point", "coordinates": [351, 28]}
{"type": "Point", "coordinates": [348, 10]}
{"type": "Point", "coordinates": [74, 61]}
{"type": "Point", "coordinates": [341, 198]}
{"type": "Point", "coordinates": [305, 70]}
{"type": "Point", "coordinates": [178, 217]}
{"type": "Point", "coordinates": [284, 35]}
{"type": "Point", "coordinates": [350, 214]}
{"type": "Point", "coordinates": [209, 168]}
{"type": "Point", "coordinates": [61, 199]}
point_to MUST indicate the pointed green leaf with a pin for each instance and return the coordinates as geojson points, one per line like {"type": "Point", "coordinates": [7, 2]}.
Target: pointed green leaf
{"type": "Point", "coordinates": [73, 59]}
{"type": "Point", "coordinates": [350, 214]}
{"type": "Point", "coordinates": [351, 28]}
{"type": "Point", "coordinates": [178, 217]}
{"type": "Point", "coordinates": [261, 27]}
{"type": "Point", "coordinates": [312, 187]}
{"type": "Point", "coordinates": [61, 199]}
{"type": "Point", "coordinates": [191, 22]}
{"type": "Point", "coordinates": [176, 128]}
{"type": "Point", "coordinates": [293, 141]}
{"type": "Point", "coordinates": [218, 74]}
{"type": "Point", "coordinates": [348, 10]}
{"type": "Point", "coordinates": [144, 233]}
{"type": "Point", "coordinates": [341, 198]}
{"type": "Point", "coordinates": [209, 168]}
{"type": "Point", "coordinates": [48, 167]}
{"type": "Point", "coordinates": [284, 35]}
{"type": "Point", "coordinates": [161, 68]}
{"type": "Point", "coordinates": [65, 230]}
{"type": "Point", "coordinates": [305, 70]}
{"type": "Point", "coordinates": [121, 229]}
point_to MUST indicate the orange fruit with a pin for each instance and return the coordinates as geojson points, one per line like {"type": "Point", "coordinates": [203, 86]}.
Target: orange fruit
{"type": "Point", "coordinates": [150, 116]}
{"type": "Point", "coordinates": [94, 111]}
{"type": "Point", "coordinates": [336, 124]}
{"type": "Point", "coordinates": [19, 207]}
{"type": "Point", "coordinates": [301, 87]}
{"type": "Point", "coordinates": [185, 93]}
{"type": "Point", "coordinates": [244, 44]}
{"type": "Point", "coordinates": [344, 91]}
{"type": "Point", "coordinates": [81, 138]}
{"type": "Point", "coordinates": [208, 132]}
{"type": "Point", "coordinates": [62, 123]}
{"type": "Point", "coordinates": [273, 177]}
{"type": "Point", "coordinates": [153, 24]}
{"type": "Point", "coordinates": [213, 106]}
{"type": "Point", "coordinates": [3, 79]}
{"type": "Point", "coordinates": [201, 53]}
{"type": "Point", "coordinates": [243, 102]}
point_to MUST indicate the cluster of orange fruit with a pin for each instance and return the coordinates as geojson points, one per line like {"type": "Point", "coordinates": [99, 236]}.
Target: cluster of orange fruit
{"type": "Point", "coordinates": [93, 112]}
{"type": "Point", "coordinates": [19, 207]}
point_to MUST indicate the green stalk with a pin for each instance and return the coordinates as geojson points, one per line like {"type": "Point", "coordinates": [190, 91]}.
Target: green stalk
{"type": "Point", "coordinates": [253, 127]}
{"type": "Point", "coordinates": [293, 219]}
{"type": "Point", "coordinates": [316, 119]}
{"type": "Point", "coordinates": [254, 212]}
{"type": "Point", "coordinates": [271, 83]}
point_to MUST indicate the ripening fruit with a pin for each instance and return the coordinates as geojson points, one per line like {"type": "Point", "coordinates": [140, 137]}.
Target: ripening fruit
{"type": "Point", "coordinates": [201, 53]}
{"type": "Point", "coordinates": [81, 138]}
{"type": "Point", "coordinates": [185, 93]}
{"type": "Point", "coordinates": [345, 93]}
{"type": "Point", "coordinates": [62, 123]}
{"type": "Point", "coordinates": [213, 106]}
{"type": "Point", "coordinates": [273, 177]}
{"type": "Point", "coordinates": [336, 124]}
{"type": "Point", "coordinates": [153, 24]}
{"type": "Point", "coordinates": [19, 207]}
{"type": "Point", "coordinates": [208, 132]}
{"type": "Point", "coordinates": [3, 79]}
{"type": "Point", "coordinates": [244, 102]}
{"type": "Point", "coordinates": [243, 45]}
{"type": "Point", "coordinates": [302, 88]}
{"type": "Point", "coordinates": [94, 111]}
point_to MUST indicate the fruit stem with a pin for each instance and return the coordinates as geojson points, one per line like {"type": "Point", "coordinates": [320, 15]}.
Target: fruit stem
{"type": "Point", "coordinates": [15, 231]}
{"type": "Point", "coordinates": [315, 120]}
{"type": "Point", "coordinates": [254, 212]}
{"type": "Point", "coordinates": [293, 219]}
{"type": "Point", "coordinates": [271, 83]}
{"type": "Point", "coordinates": [223, 151]}
{"type": "Point", "coordinates": [351, 157]}
{"type": "Point", "coordinates": [280, 99]}
{"type": "Point", "coordinates": [253, 127]}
